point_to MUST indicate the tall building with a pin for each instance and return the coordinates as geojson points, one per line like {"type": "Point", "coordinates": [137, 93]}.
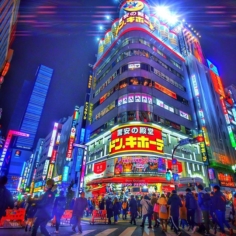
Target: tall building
{"type": "Point", "coordinates": [35, 107]}
{"type": "Point", "coordinates": [26, 116]}
{"type": "Point", "coordinates": [8, 19]}
{"type": "Point", "coordinates": [148, 93]}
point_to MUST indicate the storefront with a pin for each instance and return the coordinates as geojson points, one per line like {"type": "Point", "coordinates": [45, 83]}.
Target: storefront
{"type": "Point", "coordinates": [135, 158]}
{"type": "Point", "coordinates": [224, 177]}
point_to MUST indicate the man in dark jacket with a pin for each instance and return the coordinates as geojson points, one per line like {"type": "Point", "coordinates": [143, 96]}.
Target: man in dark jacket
{"type": "Point", "coordinates": [109, 208]}
{"type": "Point", "coordinates": [78, 211]}
{"type": "Point", "coordinates": [191, 205]}
{"type": "Point", "coordinates": [133, 209]}
{"type": "Point", "coordinates": [44, 209]}
{"type": "Point", "coordinates": [6, 199]}
{"type": "Point", "coordinates": [219, 205]}
{"type": "Point", "coordinates": [175, 203]}
{"type": "Point", "coordinates": [204, 202]}
{"type": "Point", "coordinates": [59, 208]}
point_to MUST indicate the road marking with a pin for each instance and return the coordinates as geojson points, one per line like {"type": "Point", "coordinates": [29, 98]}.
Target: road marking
{"type": "Point", "coordinates": [128, 231]}
{"type": "Point", "coordinates": [106, 232]}
{"type": "Point", "coordinates": [84, 232]}
{"type": "Point", "coordinates": [148, 231]}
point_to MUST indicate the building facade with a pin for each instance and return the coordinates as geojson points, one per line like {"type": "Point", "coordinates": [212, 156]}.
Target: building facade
{"type": "Point", "coordinates": [8, 20]}
{"type": "Point", "coordinates": [143, 105]}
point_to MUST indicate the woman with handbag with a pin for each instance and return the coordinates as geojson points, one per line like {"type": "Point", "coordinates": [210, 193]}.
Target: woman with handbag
{"type": "Point", "coordinates": [163, 212]}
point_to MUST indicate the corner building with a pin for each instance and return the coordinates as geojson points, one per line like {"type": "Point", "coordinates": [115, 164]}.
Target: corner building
{"type": "Point", "coordinates": [142, 106]}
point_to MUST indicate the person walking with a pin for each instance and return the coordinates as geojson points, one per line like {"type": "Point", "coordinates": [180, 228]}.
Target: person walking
{"type": "Point", "coordinates": [147, 211]}
{"type": "Point", "coordinates": [175, 203]}
{"type": "Point", "coordinates": [183, 212]}
{"type": "Point", "coordinates": [204, 202]}
{"type": "Point", "coordinates": [191, 206]}
{"type": "Point", "coordinates": [133, 209]}
{"type": "Point", "coordinates": [163, 212]}
{"type": "Point", "coordinates": [80, 205]}
{"type": "Point", "coordinates": [6, 199]}
{"type": "Point", "coordinates": [116, 210]}
{"type": "Point", "coordinates": [198, 226]}
{"type": "Point", "coordinates": [59, 208]}
{"type": "Point", "coordinates": [139, 207]}
{"type": "Point", "coordinates": [109, 208]}
{"type": "Point", "coordinates": [125, 207]}
{"type": "Point", "coordinates": [219, 206]}
{"type": "Point", "coordinates": [44, 209]}
{"type": "Point", "coordinates": [155, 209]}
{"type": "Point", "coordinates": [30, 211]}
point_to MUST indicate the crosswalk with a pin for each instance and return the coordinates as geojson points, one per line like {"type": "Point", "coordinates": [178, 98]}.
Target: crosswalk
{"type": "Point", "coordinates": [135, 231]}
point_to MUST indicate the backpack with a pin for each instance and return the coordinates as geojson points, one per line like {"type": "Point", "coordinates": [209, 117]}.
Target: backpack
{"type": "Point", "coordinates": [124, 205]}
{"type": "Point", "coordinates": [163, 209]}
{"type": "Point", "coordinates": [206, 199]}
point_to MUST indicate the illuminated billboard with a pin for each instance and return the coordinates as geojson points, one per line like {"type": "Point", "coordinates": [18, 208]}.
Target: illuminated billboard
{"type": "Point", "coordinates": [72, 134]}
{"type": "Point", "coordinates": [134, 17]}
{"type": "Point", "coordinates": [136, 138]}
{"type": "Point", "coordinates": [53, 138]}
{"type": "Point", "coordinates": [5, 159]}
{"type": "Point", "coordinates": [217, 83]}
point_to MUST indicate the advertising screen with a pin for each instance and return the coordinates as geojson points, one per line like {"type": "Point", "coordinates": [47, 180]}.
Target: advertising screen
{"type": "Point", "coordinates": [135, 165]}
{"type": "Point", "coordinates": [136, 137]}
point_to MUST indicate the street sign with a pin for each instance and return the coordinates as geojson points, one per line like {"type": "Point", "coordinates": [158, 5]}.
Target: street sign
{"type": "Point", "coordinates": [184, 141]}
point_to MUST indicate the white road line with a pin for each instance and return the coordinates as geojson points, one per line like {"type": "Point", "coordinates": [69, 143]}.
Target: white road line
{"type": "Point", "coordinates": [128, 231]}
{"type": "Point", "coordinates": [149, 232]}
{"type": "Point", "coordinates": [84, 232]}
{"type": "Point", "coordinates": [106, 232]}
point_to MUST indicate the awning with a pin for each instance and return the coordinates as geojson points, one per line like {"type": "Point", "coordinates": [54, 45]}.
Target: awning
{"type": "Point", "coordinates": [130, 179]}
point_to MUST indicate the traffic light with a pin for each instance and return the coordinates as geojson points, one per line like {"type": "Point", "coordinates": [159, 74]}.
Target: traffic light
{"type": "Point", "coordinates": [168, 175]}
{"type": "Point", "coordinates": [198, 139]}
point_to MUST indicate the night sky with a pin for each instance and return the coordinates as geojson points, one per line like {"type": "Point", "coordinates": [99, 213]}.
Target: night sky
{"type": "Point", "coordinates": [63, 35]}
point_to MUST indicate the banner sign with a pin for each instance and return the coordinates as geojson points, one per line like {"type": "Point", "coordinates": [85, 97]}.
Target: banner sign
{"type": "Point", "coordinates": [136, 138]}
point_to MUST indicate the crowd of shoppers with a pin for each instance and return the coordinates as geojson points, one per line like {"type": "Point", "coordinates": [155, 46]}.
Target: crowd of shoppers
{"type": "Point", "coordinates": [197, 211]}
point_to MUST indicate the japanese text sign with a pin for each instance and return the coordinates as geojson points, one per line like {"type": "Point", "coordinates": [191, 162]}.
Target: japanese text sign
{"type": "Point", "coordinates": [140, 138]}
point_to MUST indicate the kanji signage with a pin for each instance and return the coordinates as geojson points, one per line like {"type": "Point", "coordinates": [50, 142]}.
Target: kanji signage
{"type": "Point", "coordinates": [134, 17]}
{"type": "Point", "coordinates": [100, 167]}
{"type": "Point", "coordinates": [136, 137]}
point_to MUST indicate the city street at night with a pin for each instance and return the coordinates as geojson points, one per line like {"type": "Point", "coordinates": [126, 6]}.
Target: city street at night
{"type": "Point", "coordinates": [120, 114]}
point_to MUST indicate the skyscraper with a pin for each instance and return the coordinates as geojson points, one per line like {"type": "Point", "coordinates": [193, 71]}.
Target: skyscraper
{"type": "Point", "coordinates": [8, 18]}
{"type": "Point", "coordinates": [35, 107]}
{"type": "Point", "coordinates": [151, 89]}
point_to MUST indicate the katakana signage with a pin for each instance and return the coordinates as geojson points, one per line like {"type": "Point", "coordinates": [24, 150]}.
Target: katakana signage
{"type": "Point", "coordinates": [136, 138]}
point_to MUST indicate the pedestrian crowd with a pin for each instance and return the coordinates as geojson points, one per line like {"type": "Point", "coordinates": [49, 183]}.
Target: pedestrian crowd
{"type": "Point", "coordinates": [197, 212]}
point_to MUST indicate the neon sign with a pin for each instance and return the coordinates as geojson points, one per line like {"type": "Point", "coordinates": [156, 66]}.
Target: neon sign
{"type": "Point", "coordinates": [140, 138]}
{"type": "Point", "coordinates": [165, 90]}
{"type": "Point", "coordinates": [134, 17]}
{"type": "Point", "coordinates": [4, 162]}
{"type": "Point", "coordinates": [53, 138]}
{"type": "Point", "coordinates": [217, 83]}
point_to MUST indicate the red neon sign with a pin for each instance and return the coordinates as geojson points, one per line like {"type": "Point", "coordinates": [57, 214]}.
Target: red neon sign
{"type": "Point", "coordinates": [100, 167]}
{"type": "Point", "coordinates": [165, 90]}
{"type": "Point", "coordinates": [136, 137]}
